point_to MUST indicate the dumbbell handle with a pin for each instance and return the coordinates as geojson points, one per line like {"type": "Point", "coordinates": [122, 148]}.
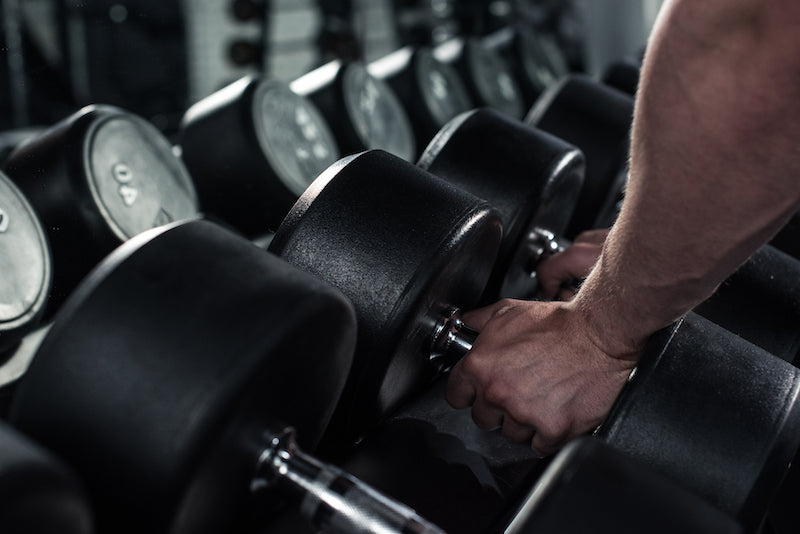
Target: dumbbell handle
{"type": "Point", "coordinates": [334, 501]}
{"type": "Point", "coordinates": [541, 244]}
{"type": "Point", "coordinates": [452, 339]}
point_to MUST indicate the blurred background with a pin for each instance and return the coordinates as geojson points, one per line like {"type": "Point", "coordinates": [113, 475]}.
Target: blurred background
{"type": "Point", "coordinates": [157, 57]}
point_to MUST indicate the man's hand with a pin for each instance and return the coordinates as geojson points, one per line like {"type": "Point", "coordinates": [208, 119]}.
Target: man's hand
{"type": "Point", "coordinates": [537, 372]}
{"type": "Point", "coordinates": [558, 273]}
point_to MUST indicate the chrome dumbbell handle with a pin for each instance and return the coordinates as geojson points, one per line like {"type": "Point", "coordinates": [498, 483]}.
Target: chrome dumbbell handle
{"type": "Point", "coordinates": [334, 501]}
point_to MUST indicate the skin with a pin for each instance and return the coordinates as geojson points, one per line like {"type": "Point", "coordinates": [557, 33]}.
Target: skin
{"type": "Point", "coordinates": [715, 172]}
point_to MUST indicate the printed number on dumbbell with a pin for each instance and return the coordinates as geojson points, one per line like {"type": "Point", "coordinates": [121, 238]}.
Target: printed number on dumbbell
{"type": "Point", "coordinates": [123, 175]}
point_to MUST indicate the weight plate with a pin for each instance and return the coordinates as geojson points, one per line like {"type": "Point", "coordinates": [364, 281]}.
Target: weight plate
{"type": "Point", "coordinates": [136, 180]}
{"type": "Point", "coordinates": [377, 115]}
{"type": "Point", "coordinates": [442, 89]}
{"type": "Point", "coordinates": [24, 262]}
{"type": "Point", "coordinates": [293, 135]}
{"type": "Point", "coordinates": [494, 83]}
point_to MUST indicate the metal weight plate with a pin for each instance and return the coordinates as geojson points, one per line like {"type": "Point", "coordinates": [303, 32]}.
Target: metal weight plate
{"type": "Point", "coordinates": [535, 66]}
{"type": "Point", "coordinates": [293, 134]}
{"type": "Point", "coordinates": [597, 119]}
{"type": "Point", "coordinates": [363, 111]}
{"type": "Point", "coordinates": [25, 264]}
{"type": "Point", "coordinates": [377, 115]}
{"type": "Point", "coordinates": [95, 179]}
{"type": "Point", "coordinates": [532, 178]}
{"type": "Point", "coordinates": [252, 148]}
{"type": "Point", "coordinates": [441, 87]}
{"type": "Point", "coordinates": [404, 246]}
{"type": "Point", "coordinates": [431, 91]}
{"type": "Point", "coordinates": [135, 179]}
{"type": "Point", "coordinates": [163, 369]}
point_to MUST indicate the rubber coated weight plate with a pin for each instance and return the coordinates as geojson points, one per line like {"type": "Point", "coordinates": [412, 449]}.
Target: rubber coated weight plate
{"type": "Point", "coordinates": [38, 494]}
{"type": "Point", "coordinates": [25, 266]}
{"type": "Point", "coordinates": [431, 91]}
{"type": "Point", "coordinates": [403, 245]}
{"type": "Point", "coordinates": [486, 75]}
{"type": "Point", "coordinates": [532, 178]}
{"type": "Point", "coordinates": [597, 119]}
{"type": "Point", "coordinates": [363, 111]}
{"type": "Point", "coordinates": [169, 361]}
{"type": "Point", "coordinates": [590, 487]}
{"type": "Point", "coordinates": [96, 179]}
{"type": "Point", "coordinates": [253, 148]}
{"type": "Point", "coordinates": [714, 413]}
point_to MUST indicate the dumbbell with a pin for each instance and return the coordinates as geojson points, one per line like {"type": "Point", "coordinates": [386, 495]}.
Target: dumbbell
{"type": "Point", "coordinates": [173, 407]}
{"type": "Point", "coordinates": [363, 111]}
{"type": "Point", "coordinates": [38, 494]}
{"type": "Point", "coordinates": [408, 249]}
{"type": "Point", "coordinates": [252, 148]}
{"type": "Point", "coordinates": [596, 119]}
{"type": "Point", "coordinates": [760, 302]}
{"type": "Point", "coordinates": [431, 91]}
{"type": "Point", "coordinates": [534, 59]}
{"type": "Point", "coordinates": [590, 487]}
{"type": "Point", "coordinates": [485, 73]}
{"type": "Point", "coordinates": [26, 266]}
{"type": "Point", "coordinates": [623, 75]}
{"type": "Point", "coordinates": [532, 178]}
{"type": "Point", "coordinates": [96, 179]}
{"type": "Point", "coordinates": [714, 413]}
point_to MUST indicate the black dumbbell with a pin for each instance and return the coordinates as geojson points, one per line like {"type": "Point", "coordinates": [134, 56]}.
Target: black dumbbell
{"type": "Point", "coordinates": [167, 377]}
{"type": "Point", "coordinates": [760, 302]}
{"type": "Point", "coordinates": [96, 179]}
{"type": "Point", "coordinates": [363, 111]}
{"type": "Point", "coordinates": [26, 266]}
{"type": "Point", "coordinates": [532, 178]}
{"type": "Point", "coordinates": [714, 413]}
{"type": "Point", "coordinates": [590, 487]}
{"type": "Point", "coordinates": [407, 249]}
{"type": "Point", "coordinates": [534, 58]}
{"type": "Point", "coordinates": [38, 493]}
{"type": "Point", "coordinates": [431, 91]}
{"type": "Point", "coordinates": [485, 73]}
{"type": "Point", "coordinates": [623, 75]}
{"type": "Point", "coordinates": [597, 119]}
{"type": "Point", "coordinates": [252, 148]}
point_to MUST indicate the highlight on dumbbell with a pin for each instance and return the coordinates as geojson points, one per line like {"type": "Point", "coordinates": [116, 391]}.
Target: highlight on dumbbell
{"type": "Point", "coordinates": [173, 414]}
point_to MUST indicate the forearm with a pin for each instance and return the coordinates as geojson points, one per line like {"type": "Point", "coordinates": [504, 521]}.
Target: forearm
{"type": "Point", "coordinates": [714, 163]}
